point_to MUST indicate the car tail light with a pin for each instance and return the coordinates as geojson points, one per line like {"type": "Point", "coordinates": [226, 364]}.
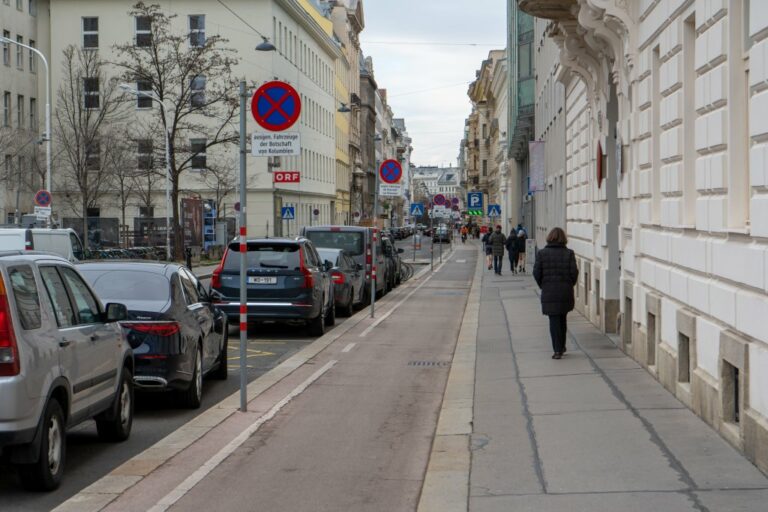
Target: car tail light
{"type": "Point", "coordinates": [9, 350]}
{"type": "Point", "coordinates": [216, 275]}
{"type": "Point", "coordinates": [338, 277]}
{"type": "Point", "coordinates": [309, 279]}
{"type": "Point", "coordinates": [155, 328]}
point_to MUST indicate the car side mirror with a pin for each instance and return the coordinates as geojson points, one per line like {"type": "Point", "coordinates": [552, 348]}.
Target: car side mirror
{"type": "Point", "coordinates": [327, 266]}
{"type": "Point", "coordinates": [116, 312]}
{"type": "Point", "coordinates": [400, 251]}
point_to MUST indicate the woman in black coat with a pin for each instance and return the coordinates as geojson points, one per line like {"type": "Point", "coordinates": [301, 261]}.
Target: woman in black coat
{"type": "Point", "coordinates": [556, 274]}
{"type": "Point", "coordinates": [512, 251]}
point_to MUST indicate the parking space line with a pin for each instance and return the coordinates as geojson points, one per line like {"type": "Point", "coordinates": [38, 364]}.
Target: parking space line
{"type": "Point", "coordinates": [195, 478]}
{"type": "Point", "coordinates": [349, 347]}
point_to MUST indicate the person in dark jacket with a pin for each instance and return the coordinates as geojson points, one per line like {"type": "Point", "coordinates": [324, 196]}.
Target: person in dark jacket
{"type": "Point", "coordinates": [497, 240]}
{"type": "Point", "coordinates": [556, 274]}
{"type": "Point", "coordinates": [520, 245]}
{"type": "Point", "coordinates": [512, 251]}
{"type": "Point", "coordinates": [486, 240]}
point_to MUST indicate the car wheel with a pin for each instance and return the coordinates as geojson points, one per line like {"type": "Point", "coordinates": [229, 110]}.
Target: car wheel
{"type": "Point", "coordinates": [221, 372]}
{"type": "Point", "coordinates": [317, 325]}
{"type": "Point", "coordinates": [330, 315]}
{"type": "Point", "coordinates": [193, 396]}
{"type": "Point", "coordinates": [118, 427]}
{"type": "Point", "coordinates": [46, 473]}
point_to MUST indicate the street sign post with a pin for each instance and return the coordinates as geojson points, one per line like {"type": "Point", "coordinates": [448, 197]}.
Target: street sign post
{"type": "Point", "coordinates": [439, 200]}
{"type": "Point", "coordinates": [276, 106]}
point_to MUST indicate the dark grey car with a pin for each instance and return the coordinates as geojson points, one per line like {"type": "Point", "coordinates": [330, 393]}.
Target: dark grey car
{"type": "Point", "coordinates": [348, 280]}
{"type": "Point", "coordinates": [63, 360]}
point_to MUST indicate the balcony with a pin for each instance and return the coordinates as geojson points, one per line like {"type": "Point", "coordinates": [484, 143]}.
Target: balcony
{"type": "Point", "coordinates": [549, 9]}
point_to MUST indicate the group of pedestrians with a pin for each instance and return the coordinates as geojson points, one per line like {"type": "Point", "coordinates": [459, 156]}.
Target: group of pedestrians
{"type": "Point", "coordinates": [554, 270]}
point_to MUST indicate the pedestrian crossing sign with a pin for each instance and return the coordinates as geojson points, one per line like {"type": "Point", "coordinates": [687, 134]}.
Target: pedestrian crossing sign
{"type": "Point", "coordinates": [417, 209]}
{"type": "Point", "coordinates": [494, 210]}
{"type": "Point", "coordinates": [289, 213]}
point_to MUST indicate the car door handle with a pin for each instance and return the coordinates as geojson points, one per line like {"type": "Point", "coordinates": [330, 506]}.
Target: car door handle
{"type": "Point", "coordinates": [65, 343]}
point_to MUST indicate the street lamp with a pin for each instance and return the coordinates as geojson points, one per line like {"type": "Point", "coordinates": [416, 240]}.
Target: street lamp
{"type": "Point", "coordinates": [265, 46]}
{"type": "Point", "coordinates": [150, 94]}
{"type": "Point", "coordinates": [47, 136]}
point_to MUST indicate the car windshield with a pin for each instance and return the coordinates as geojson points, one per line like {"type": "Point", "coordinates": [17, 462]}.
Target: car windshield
{"type": "Point", "coordinates": [328, 254]}
{"type": "Point", "coordinates": [351, 242]}
{"type": "Point", "coordinates": [128, 285]}
{"type": "Point", "coordinates": [265, 255]}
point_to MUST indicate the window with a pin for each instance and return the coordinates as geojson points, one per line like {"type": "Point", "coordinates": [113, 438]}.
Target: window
{"type": "Point", "coordinates": [90, 33]}
{"type": "Point", "coordinates": [190, 288]}
{"type": "Point", "coordinates": [93, 156]}
{"type": "Point", "coordinates": [19, 52]}
{"type": "Point", "coordinates": [144, 100]}
{"type": "Point", "coordinates": [198, 148]}
{"type": "Point", "coordinates": [748, 40]}
{"type": "Point", "coordinates": [6, 49]}
{"type": "Point", "coordinates": [146, 211]}
{"type": "Point", "coordinates": [33, 114]}
{"type": "Point", "coordinates": [197, 30]}
{"type": "Point", "coordinates": [485, 167]}
{"type": "Point", "coordinates": [91, 93]}
{"type": "Point", "coordinates": [143, 31]}
{"type": "Point", "coordinates": [32, 61]}
{"type": "Point", "coordinates": [62, 308]}
{"type": "Point", "coordinates": [20, 111]}
{"type": "Point", "coordinates": [20, 5]}
{"type": "Point", "coordinates": [87, 307]}
{"type": "Point", "coordinates": [27, 299]}
{"type": "Point", "coordinates": [6, 109]}
{"type": "Point", "coordinates": [33, 7]}
{"type": "Point", "coordinates": [197, 88]}
{"type": "Point", "coordinates": [144, 154]}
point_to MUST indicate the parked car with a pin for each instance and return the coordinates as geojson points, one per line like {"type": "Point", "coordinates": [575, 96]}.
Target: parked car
{"type": "Point", "coordinates": [63, 360]}
{"type": "Point", "coordinates": [357, 241]}
{"type": "Point", "coordinates": [348, 280]}
{"type": "Point", "coordinates": [286, 280]}
{"type": "Point", "coordinates": [177, 335]}
{"type": "Point", "coordinates": [62, 242]}
{"type": "Point", "coordinates": [394, 264]}
{"type": "Point", "coordinates": [442, 233]}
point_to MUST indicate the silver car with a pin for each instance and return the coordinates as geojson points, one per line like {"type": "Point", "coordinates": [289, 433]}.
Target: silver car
{"type": "Point", "coordinates": [63, 360]}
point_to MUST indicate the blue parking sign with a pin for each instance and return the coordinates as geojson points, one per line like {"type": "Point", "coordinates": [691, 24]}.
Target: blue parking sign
{"type": "Point", "coordinates": [475, 200]}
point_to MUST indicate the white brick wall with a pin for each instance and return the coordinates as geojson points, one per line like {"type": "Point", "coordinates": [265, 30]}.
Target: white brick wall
{"type": "Point", "coordinates": [758, 380]}
{"type": "Point", "coordinates": [707, 346]}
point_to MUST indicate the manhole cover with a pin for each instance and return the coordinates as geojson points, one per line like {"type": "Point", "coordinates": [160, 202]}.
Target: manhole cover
{"type": "Point", "coordinates": [430, 364]}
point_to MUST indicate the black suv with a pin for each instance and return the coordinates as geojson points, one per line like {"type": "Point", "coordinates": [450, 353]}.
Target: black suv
{"type": "Point", "coordinates": [286, 280]}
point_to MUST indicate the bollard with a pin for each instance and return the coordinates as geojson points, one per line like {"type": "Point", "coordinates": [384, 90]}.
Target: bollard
{"type": "Point", "coordinates": [188, 255]}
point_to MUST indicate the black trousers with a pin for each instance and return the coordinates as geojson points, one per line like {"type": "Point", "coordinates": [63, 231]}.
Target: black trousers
{"type": "Point", "coordinates": [557, 329]}
{"type": "Point", "coordinates": [497, 263]}
{"type": "Point", "coordinates": [512, 261]}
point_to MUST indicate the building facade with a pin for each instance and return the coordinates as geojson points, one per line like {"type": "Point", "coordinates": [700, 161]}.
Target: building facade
{"type": "Point", "coordinates": [666, 192]}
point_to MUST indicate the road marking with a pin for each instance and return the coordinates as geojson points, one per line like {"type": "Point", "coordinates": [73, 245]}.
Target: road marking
{"type": "Point", "coordinates": [349, 347]}
{"type": "Point", "coordinates": [461, 261]}
{"type": "Point", "coordinates": [386, 315]}
{"type": "Point", "coordinates": [195, 478]}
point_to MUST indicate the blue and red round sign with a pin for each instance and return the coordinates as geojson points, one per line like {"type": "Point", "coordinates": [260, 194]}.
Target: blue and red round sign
{"type": "Point", "coordinates": [391, 172]}
{"type": "Point", "coordinates": [439, 200]}
{"type": "Point", "coordinates": [43, 198]}
{"type": "Point", "coordinates": [276, 106]}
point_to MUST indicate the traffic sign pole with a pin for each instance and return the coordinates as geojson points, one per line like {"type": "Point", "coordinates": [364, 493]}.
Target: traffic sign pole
{"type": "Point", "coordinates": [374, 277]}
{"type": "Point", "coordinates": [243, 256]}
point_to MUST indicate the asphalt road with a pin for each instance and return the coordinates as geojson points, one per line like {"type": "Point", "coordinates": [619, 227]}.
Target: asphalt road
{"type": "Point", "coordinates": [88, 458]}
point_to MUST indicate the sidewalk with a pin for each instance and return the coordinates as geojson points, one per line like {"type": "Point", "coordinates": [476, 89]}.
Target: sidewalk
{"type": "Point", "coordinates": [591, 432]}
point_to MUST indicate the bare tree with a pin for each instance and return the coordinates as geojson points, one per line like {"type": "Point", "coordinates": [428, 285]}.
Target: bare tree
{"type": "Point", "coordinates": [86, 126]}
{"type": "Point", "coordinates": [192, 76]}
{"type": "Point", "coordinates": [120, 158]}
{"type": "Point", "coordinates": [222, 180]}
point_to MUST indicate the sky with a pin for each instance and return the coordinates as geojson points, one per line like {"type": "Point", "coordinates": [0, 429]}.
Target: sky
{"type": "Point", "coordinates": [427, 83]}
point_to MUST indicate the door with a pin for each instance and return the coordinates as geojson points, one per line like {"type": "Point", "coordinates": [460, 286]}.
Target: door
{"type": "Point", "coordinates": [101, 347]}
{"type": "Point", "coordinates": [200, 316]}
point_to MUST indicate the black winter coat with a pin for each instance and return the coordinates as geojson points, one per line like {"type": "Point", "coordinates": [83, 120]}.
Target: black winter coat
{"type": "Point", "coordinates": [556, 273]}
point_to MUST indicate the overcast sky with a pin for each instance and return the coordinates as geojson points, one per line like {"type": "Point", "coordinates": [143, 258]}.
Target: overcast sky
{"type": "Point", "coordinates": [434, 118]}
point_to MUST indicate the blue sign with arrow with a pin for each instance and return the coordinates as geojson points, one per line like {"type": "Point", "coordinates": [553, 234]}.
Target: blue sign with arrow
{"type": "Point", "coordinates": [494, 210]}
{"type": "Point", "coordinates": [475, 200]}
{"type": "Point", "coordinates": [417, 209]}
{"type": "Point", "coordinates": [289, 213]}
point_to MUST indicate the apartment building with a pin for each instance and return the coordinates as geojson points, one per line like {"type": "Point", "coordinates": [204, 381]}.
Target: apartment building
{"type": "Point", "coordinates": [666, 191]}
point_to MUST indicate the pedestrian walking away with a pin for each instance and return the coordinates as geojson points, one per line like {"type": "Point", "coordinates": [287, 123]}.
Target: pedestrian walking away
{"type": "Point", "coordinates": [511, 246]}
{"type": "Point", "coordinates": [497, 241]}
{"type": "Point", "coordinates": [520, 244]}
{"type": "Point", "coordinates": [556, 274]}
{"type": "Point", "coordinates": [488, 249]}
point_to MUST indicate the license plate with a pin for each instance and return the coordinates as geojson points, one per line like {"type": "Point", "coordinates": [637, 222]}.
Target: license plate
{"type": "Point", "coordinates": [262, 280]}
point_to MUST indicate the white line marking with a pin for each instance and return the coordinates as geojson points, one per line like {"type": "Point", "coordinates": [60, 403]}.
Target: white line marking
{"type": "Point", "coordinates": [461, 261]}
{"type": "Point", "coordinates": [349, 347]}
{"type": "Point", "coordinates": [192, 480]}
{"type": "Point", "coordinates": [375, 324]}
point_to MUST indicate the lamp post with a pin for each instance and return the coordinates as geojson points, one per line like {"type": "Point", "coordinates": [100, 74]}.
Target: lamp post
{"type": "Point", "coordinates": [47, 136]}
{"type": "Point", "coordinates": [149, 94]}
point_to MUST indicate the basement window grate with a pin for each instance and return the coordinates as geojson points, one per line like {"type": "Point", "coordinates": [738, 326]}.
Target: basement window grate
{"type": "Point", "coordinates": [429, 364]}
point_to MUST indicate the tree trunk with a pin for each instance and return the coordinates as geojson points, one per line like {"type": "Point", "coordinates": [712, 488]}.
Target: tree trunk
{"type": "Point", "coordinates": [178, 233]}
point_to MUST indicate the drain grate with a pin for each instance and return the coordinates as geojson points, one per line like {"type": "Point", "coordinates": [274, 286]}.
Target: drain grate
{"type": "Point", "coordinates": [430, 364]}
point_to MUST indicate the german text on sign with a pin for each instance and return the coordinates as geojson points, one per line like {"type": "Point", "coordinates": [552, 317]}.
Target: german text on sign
{"type": "Point", "coordinates": [276, 144]}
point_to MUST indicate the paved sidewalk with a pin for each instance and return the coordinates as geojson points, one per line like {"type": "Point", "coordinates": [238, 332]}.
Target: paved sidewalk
{"type": "Point", "coordinates": [591, 432]}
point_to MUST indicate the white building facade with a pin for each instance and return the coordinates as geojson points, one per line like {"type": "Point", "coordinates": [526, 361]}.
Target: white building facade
{"type": "Point", "coordinates": [666, 162]}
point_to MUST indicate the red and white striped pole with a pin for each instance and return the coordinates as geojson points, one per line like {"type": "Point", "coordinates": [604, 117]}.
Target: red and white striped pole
{"type": "Point", "coordinates": [243, 255]}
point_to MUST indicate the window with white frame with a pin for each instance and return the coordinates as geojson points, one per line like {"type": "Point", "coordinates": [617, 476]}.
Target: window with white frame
{"type": "Point", "coordinates": [90, 33]}
{"type": "Point", "coordinates": [19, 52]}
{"type": "Point", "coordinates": [144, 100]}
{"type": "Point", "coordinates": [20, 111]}
{"type": "Point", "coordinates": [197, 91]}
{"type": "Point", "coordinates": [93, 156]}
{"type": "Point", "coordinates": [198, 149]}
{"type": "Point", "coordinates": [143, 31]}
{"type": "Point", "coordinates": [33, 114]}
{"type": "Point", "coordinates": [144, 152]}
{"type": "Point", "coordinates": [197, 30]}
{"type": "Point", "coordinates": [91, 98]}
{"type": "Point", "coordinates": [6, 109]}
{"type": "Point", "coordinates": [32, 61]}
{"type": "Point", "coordinates": [6, 49]}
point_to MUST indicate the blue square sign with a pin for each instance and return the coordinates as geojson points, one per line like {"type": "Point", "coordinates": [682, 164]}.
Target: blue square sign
{"type": "Point", "coordinates": [475, 200]}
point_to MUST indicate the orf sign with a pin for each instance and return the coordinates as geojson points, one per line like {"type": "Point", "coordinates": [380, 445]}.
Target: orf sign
{"type": "Point", "coordinates": [287, 177]}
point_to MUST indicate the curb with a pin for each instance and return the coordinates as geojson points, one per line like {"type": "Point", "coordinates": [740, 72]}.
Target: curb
{"type": "Point", "coordinates": [108, 488]}
{"type": "Point", "coordinates": [446, 482]}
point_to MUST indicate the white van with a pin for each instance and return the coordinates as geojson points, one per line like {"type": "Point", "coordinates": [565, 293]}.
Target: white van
{"type": "Point", "coordinates": [63, 242]}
